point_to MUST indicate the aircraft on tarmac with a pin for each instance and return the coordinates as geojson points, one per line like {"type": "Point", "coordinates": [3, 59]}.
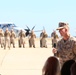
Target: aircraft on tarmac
{"type": "Point", "coordinates": [28, 30]}
{"type": "Point", "coordinates": [11, 26]}
{"type": "Point", "coordinates": [16, 28]}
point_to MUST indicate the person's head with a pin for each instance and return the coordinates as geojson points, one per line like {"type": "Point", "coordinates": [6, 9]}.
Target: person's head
{"type": "Point", "coordinates": [54, 32]}
{"type": "Point", "coordinates": [73, 69]}
{"type": "Point", "coordinates": [42, 31]}
{"type": "Point", "coordinates": [65, 70]}
{"type": "Point", "coordinates": [32, 31]}
{"type": "Point", "coordinates": [11, 30]}
{"type": "Point", "coordinates": [51, 67]}
{"type": "Point", "coordinates": [21, 30]}
{"type": "Point", "coordinates": [6, 29]}
{"type": "Point", "coordinates": [63, 28]}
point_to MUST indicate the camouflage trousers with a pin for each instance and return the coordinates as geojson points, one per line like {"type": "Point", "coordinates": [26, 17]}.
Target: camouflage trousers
{"type": "Point", "coordinates": [12, 41]}
{"type": "Point", "coordinates": [40, 42]}
{"type": "Point", "coordinates": [2, 41]}
{"type": "Point", "coordinates": [44, 42]}
{"type": "Point", "coordinates": [7, 42]}
{"type": "Point", "coordinates": [21, 42]}
{"type": "Point", "coordinates": [32, 42]}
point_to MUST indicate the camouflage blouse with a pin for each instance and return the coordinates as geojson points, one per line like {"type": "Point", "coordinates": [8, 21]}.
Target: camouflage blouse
{"type": "Point", "coordinates": [66, 49]}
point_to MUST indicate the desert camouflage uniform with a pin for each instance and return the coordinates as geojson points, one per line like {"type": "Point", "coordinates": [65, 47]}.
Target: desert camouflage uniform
{"type": "Point", "coordinates": [32, 39]}
{"type": "Point", "coordinates": [54, 40]}
{"type": "Point", "coordinates": [21, 39]}
{"type": "Point", "coordinates": [66, 49]}
{"type": "Point", "coordinates": [1, 38]}
{"type": "Point", "coordinates": [41, 35]}
{"type": "Point", "coordinates": [54, 37]}
{"type": "Point", "coordinates": [7, 39]}
{"type": "Point", "coordinates": [12, 38]}
{"type": "Point", "coordinates": [44, 41]}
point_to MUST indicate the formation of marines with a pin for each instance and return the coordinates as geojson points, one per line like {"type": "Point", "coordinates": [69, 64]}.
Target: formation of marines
{"type": "Point", "coordinates": [7, 39]}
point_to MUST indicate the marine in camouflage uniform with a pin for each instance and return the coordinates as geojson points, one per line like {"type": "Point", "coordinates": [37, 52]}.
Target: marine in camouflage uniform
{"type": "Point", "coordinates": [54, 37]}
{"type": "Point", "coordinates": [44, 40]}
{"type": "Point", "coordinates": [32, 37]}
{"type": "Point", "coordinates": [12, 38]}
{"type": "Point", "coordinates": [54, 42]}
{"type": "Point", "coordinates": [1, 38]}
{"type": "Point", "coordinates": [21, 40]}
{"type": "Point", "coordinates": [7, 38]}
{"type": "Point", "coordinates": [41, 35]}
{"type": "Point", "coordinates": [66, 47]}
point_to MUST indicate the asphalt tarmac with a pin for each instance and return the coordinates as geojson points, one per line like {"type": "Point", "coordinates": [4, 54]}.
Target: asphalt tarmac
{"type": "Point", "coordinates": [24, 61]}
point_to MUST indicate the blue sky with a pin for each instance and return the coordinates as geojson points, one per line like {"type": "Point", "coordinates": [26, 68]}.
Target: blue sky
{"type": "Point", "coordinates": [47, 13]}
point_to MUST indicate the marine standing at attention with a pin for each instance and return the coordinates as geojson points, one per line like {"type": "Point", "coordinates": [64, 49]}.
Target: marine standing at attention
{"type": "Point", "coordinates": [22, 39]}
{"type": "Point", "coordinates": [7, 38]}
{"type": "Point", "coordinates": [32, 37]}
{"type": "Point", "coordinates": [12, 38]}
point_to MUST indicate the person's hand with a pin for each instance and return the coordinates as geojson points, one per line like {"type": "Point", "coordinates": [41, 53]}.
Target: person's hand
{"type": "Point", "coordinates": [54, 50]}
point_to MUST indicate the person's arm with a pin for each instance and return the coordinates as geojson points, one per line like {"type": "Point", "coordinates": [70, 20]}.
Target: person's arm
{"type": "Point", "coordinates": [74, 48]}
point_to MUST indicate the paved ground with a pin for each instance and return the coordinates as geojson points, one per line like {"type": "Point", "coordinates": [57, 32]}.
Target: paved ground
{"type": "Point", "coordinates": [24, 61]}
